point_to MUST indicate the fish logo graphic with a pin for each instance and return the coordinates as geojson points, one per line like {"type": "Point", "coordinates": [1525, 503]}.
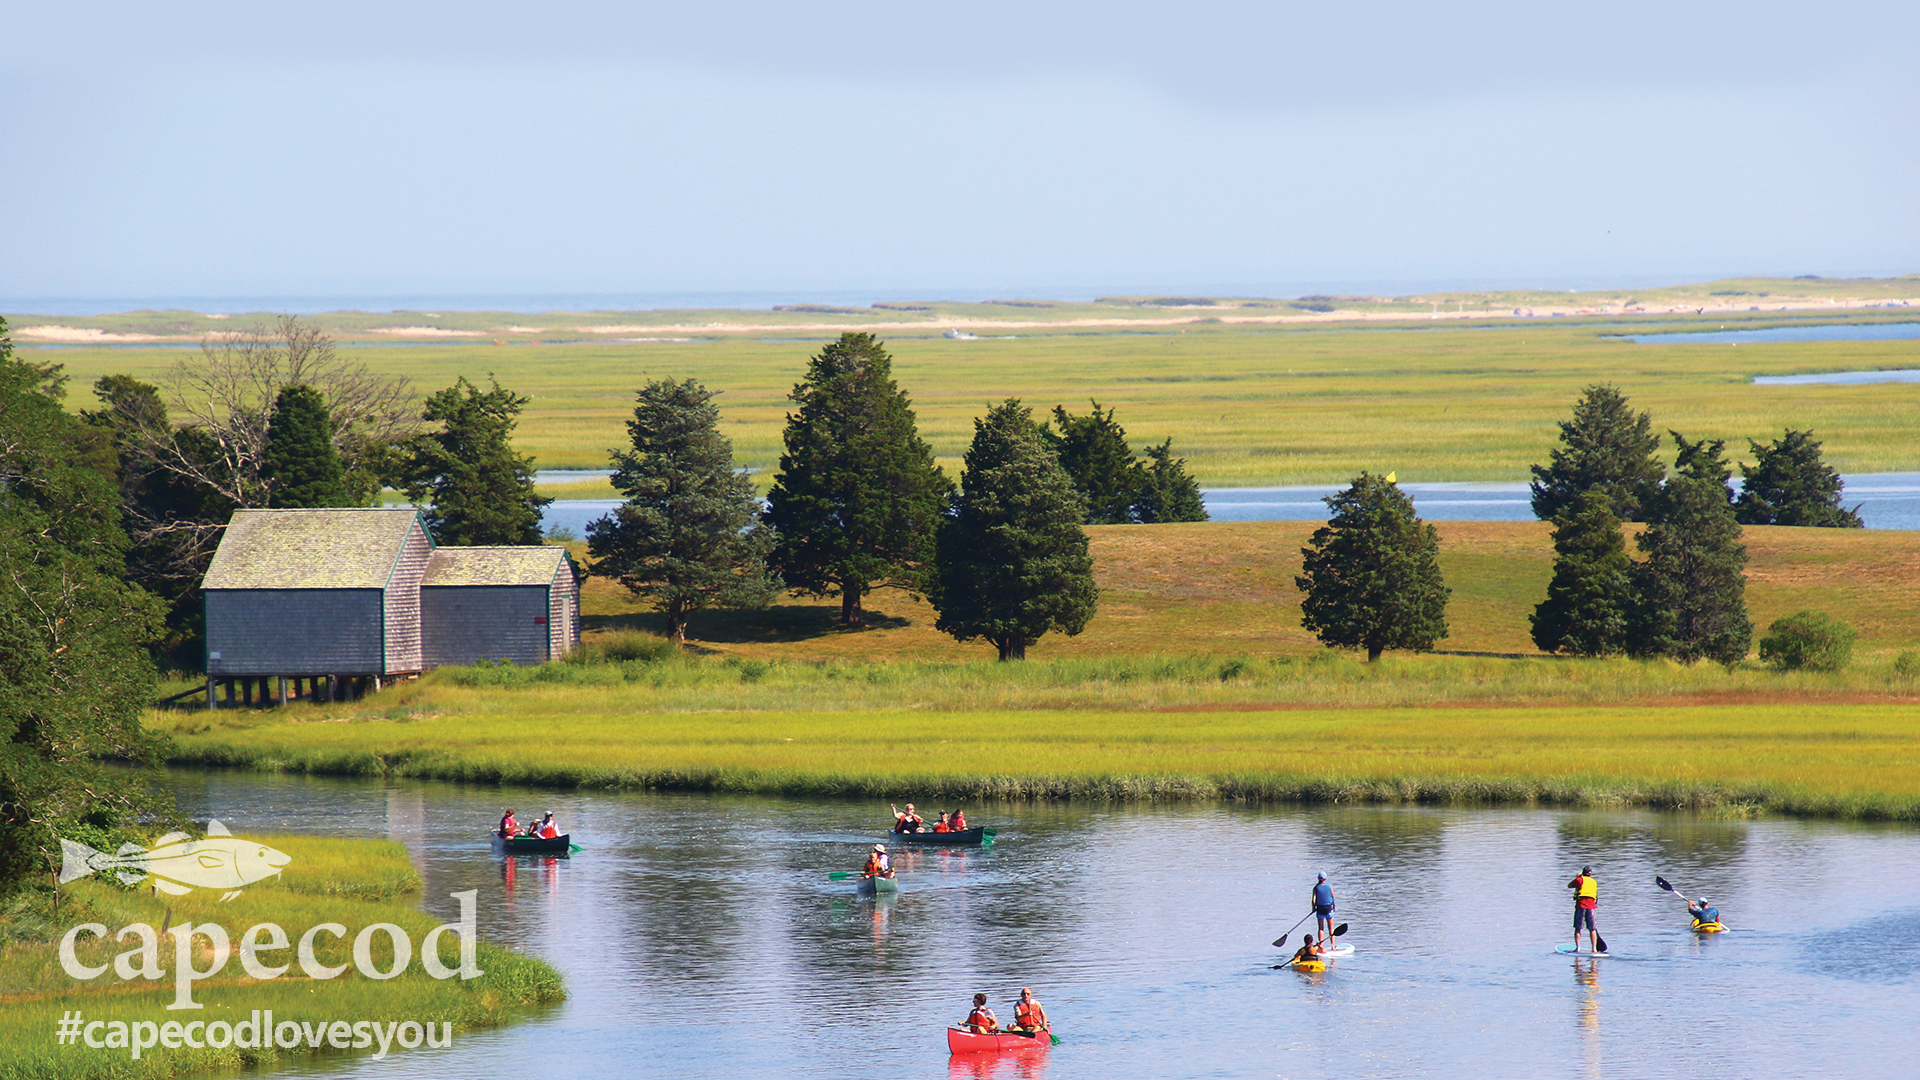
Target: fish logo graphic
{"type": "Point", "coordinates": [179, 864]}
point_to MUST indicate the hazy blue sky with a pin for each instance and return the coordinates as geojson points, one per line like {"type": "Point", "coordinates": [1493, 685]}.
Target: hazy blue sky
{"type": "Point", "coordinates": [405, 148]}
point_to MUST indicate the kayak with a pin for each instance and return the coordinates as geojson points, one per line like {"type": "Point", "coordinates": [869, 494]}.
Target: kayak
{"type": "Point", "coordinates": [1568, 950]}
{"type": "Point", "coordinates": [962, 1041]}
{"type": "Point", "coordinates": [1309, 965]}
{"type": "Point", "coordinates": [1707, 927]}
{"type": "Point", "coordinates": [531, 845]}
{"type": "Point", "coordinates": [970, 838]}
{"type": "Point", "coordinates": [873, 886]}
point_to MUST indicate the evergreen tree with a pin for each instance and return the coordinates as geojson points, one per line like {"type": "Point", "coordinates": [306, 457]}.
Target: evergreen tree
{"type": "Point", "coordinates": [477, 491]}
{"type": "Point", "coordinates": [1606, 447]}
{"type": "Point", "coordinates": [1013, 560]}
{"type": "Point", "coordinates": [1691, 589]}
{"type": "Point", "coordinates": [1094, 452]}
{"type": "Point", "coordinates": [1790, 484]}
{"type": "Point", "coordinates": [302, 467]}
{"type": "Point", "coordinates": [74, 672]}
{"type": "Point", "coordinates": [858, 499]}
{"type": "Point", "coordinates": [1590, 598]}
{"type": "Point", "coordinates": [1169, 493]}
{"type": "Point", "coordinates": [688, 535]}
{"type": "Point", "coordinates": [1372, 577]}
{"type": "Point", "coordinates": [1703, 460]}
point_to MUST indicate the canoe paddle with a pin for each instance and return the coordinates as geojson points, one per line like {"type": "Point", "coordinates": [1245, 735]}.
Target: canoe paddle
{"type": "Point", "coordinates": [1678, 895]}
{"type": "Point", "coordinates": [1281, 941]}
{"type": "Point", "coordinates": [1337, 931]}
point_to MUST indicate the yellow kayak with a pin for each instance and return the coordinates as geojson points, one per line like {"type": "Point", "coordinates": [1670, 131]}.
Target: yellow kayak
{"type": "Point", "coordinates": [1707, 927]}
{"type": "Point", "coordinates": [1309, 965]}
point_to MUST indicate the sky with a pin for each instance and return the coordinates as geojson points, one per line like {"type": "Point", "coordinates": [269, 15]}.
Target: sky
{"type": "Point", "coordinates": [405, 148]}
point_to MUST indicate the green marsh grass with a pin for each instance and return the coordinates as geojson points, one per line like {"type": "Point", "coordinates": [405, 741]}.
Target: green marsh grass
{"type": "Point", "coordinates": [352, 882]}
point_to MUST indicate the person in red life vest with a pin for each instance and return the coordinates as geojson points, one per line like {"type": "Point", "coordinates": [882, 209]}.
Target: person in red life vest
{"type": "Point", "coordinates": [1586, 897]}
{"type": "Point", "coordinates": [547, 829]}
{"type": "Point", "coordinates": [943, 825]}
{"type": "Point", "coordinates": [981, 1020]}
{"type": "Point", "coordinates": [508, 827]}
{"type": "Point", "coordinates": [1028, 1016]}
{"type": "Point", "coordinates": [878, 865]}
{"type": "Point", "coordinates": [906, 820]}
{"type": "Point", "coordinates": [959, 821]}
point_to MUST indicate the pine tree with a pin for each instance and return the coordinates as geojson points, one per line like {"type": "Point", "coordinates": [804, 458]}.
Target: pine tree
{"type": "Point", "coordinates": [1013, 560]}
{"type": "Point", "coordinates": [1606, 446]}
{"type": "Point", "coordinates": [477, 491]}
{"type": "Point", "coordinates": [1790, 484]}
{"type": "Point", "coordinates": [74, 672]}
{"type": "Point", "coordinates": [688, 535]}
{"type": "Point", "coordinates": [302, 467]}
{"type": "Point", "coordinates": [1691, 590]}
{"type": "Point", "coordinates": [1590, 598]}
{"type": "Point", "coordinates": [1094, 452]}
{"type": "Point", "coordinates": [858, 498]}
{"type": "Point", "coordinates": [1169, 492]}
{"type": "Point", "coordinates": [1372, 577]}
{"type": "Point", "coordinates": [1703, 460]}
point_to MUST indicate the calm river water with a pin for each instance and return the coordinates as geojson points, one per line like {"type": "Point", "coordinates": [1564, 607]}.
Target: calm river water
{"type": "Point", "coordinates": [700, 937]}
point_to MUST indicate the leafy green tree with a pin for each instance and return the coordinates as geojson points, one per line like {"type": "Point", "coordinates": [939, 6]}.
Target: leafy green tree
{"type": "Point", "coordinates": [1093, 450]}
{"type": "Point", "coordinates": [1808, 639]}
{"type": "Point", "coordinates": [1590, 598]}
{"type": "Point", "coordinates": [1372, 577]}
{"type": "Point", "coordinates": [1168, 492]}
{"type": "Point", "coordinates": [1691, 588]}
{"type": "Point", "coordinates": [1790, 484]}
{"type": "Point", "coordinates": [688, 535]}
{"type": "Point", "coordinates": [302, 468]}
{"type": "Point", "coordinates": [1606, 447]}
{"type": "Point", "coordinates": [477, 491]}
{"type": "Point", "coordinates": [74, 672]}
{"type": "Point", "coordinates": [1703, 460]}
{"type": "Point", "coordinates": [858, 499]}
{"type": "Point", "coordinates": [1013, 559]}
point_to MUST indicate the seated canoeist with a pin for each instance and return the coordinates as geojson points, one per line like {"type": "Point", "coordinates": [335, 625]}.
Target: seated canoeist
{"type": "Point", "coordinates": [1028, 1017]}
{"type": "Point", "coordinates": [548, 830]}
{"type": "Point", "coordinates": [981, 1020]}
{"type": "Point", "coordinates": [943, 825]}
{"type": "Point", "coordinates": [906, 821]}
{"type": "Point", "coordinates": [509, 828]}
{"type": "Point", "coordinates": [878, 864]}
{"type": "Point", "coordinates": [958, 821]}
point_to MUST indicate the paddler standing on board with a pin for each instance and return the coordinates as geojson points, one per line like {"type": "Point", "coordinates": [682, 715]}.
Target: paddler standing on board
{"type": "Point", "coordinates": [1586, 898]}
{"type": "Point", "coordinates": [1323, 908]}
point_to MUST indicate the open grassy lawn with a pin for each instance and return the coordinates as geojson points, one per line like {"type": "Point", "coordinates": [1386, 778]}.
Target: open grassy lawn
{"type": "Point", "coordinates": [353, 883]}
{"type": "Point", "coordinates": [1227, 588]}
{"type": "Point", "coordinates": [1246, 404]}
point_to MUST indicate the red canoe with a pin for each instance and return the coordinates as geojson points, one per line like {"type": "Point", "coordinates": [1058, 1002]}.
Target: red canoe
{"type": "Point", "coordinates": [962, 1041]}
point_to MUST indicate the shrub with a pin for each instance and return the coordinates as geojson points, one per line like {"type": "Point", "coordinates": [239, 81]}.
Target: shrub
{"type": "Point", "coordinates": [622, 646]}
{"type": "Point", "coordinates": [1808, 639]}
{"type": "Point", "coordinates": [1907, 664]}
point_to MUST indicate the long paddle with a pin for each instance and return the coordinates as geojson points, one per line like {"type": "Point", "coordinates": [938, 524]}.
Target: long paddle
{"type": "Point", "coordinates": [1678, 895]}
{"type": "Point", "coordinates": [1337, 931]}
{"type": "Point", "coordinates": [842, 875]}
{"type": "Point", "coordinates": [1281, 941]}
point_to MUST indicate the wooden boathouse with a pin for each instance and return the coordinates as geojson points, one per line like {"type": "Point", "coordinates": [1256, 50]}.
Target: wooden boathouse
{"type": "Point", "coordinates": [344, 600]}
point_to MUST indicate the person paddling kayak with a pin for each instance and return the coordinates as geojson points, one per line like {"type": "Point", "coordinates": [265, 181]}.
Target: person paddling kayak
{"type": "Point", "coordinates": [1586, 899]}
{"type": "Point", "coordinates": [1703, 913]}
{"type": "Point", "coordinates": [981, 1020]}
{"type": "Point", "coordinates": [1028, 1017]}
{"type": "Point", "coordinates": [1323, 908]}
{"type": "Point", "coordinates": [1308, 952]}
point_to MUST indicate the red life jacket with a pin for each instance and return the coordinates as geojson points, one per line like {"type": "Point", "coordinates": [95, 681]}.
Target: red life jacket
{"type": "Point", "coordinates": [1026, 1014]}
{"type": "Point", "coordinates": [959, 822]}
{"type": "Point", "coordinates": [548, 832]}
{"type": "Point", "coordinates": [982, 1017]}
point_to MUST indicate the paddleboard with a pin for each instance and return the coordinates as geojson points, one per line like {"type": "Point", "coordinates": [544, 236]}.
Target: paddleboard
{"type": "Point", "coordinates": [1337, 952]}
{"type": "Point", "coordinates": [1568, 950]}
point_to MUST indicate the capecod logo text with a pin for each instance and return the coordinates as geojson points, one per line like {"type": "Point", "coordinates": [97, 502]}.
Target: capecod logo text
{"type": "Point", "coordinates": [178, 864]}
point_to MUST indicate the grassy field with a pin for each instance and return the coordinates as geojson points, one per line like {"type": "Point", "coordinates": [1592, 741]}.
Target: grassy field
{"type": "Point", "coordinates": [1226, 589]}
{"type": "Point", "coordinates": [1247, 404]}
{"type": "Point", "coordinates": [352, 882]}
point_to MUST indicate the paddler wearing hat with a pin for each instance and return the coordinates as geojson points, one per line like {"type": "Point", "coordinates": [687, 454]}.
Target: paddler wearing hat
{"type": "Point", "coordinates": [1323, 909]}
{"type": "Point", "coordinates": [1703, 912]}
{"type": "Point", "coordinates": [878, 865]}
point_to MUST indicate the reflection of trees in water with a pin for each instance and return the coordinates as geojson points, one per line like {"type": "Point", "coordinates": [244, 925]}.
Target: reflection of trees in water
{"type": "Point", "coordinates": [1374, 841]}
{"type": "Point", "coordinates": [1676, 846]}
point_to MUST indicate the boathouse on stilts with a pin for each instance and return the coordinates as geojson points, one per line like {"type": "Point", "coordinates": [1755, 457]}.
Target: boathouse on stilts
{"type": "Point", "coordinates": [326, 605]}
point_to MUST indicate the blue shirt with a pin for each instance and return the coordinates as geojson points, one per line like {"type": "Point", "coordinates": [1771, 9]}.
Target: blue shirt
{"type": "Point", "coordinates": [1323, 895]}
{"type": "Point", "coordinates": [1707, 915]}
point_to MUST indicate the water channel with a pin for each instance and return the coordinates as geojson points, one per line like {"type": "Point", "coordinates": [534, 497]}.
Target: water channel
{"type": "Point", "coordinates": [700, 937]}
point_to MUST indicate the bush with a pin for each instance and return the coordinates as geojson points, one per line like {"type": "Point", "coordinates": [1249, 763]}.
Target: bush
{"type": "Point", "coordinates": [622, 646]}
{"type": "Point", "coordinates": [1808, 639]}
{"type": "Point", "coordinates": [1907, 664]}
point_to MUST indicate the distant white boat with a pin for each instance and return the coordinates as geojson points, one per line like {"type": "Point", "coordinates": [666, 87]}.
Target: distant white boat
{"type": "Point", "coordinates": [960, 335]}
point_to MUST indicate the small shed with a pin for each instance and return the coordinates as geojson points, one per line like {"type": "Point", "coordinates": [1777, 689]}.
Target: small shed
{"type": "Point", "coordinates": [499, 603]}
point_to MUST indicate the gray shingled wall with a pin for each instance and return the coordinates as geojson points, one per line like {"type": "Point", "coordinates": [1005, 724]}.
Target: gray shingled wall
{"type": "Point", "coordinates": [464, 623]}
{"type": "Point", "coordinates": [563, 611]}
{"type": "Point", "coordinates": [403, 602]}
{"type": "Point", "coordinates": [293, 632]}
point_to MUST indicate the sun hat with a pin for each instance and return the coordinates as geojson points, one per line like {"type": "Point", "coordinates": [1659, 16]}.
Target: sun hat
{"type": "Point", "coordinates": [1323, 875]}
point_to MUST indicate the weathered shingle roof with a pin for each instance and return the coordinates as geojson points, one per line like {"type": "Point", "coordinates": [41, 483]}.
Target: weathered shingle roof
{"type": "Point", "coordinates": [310, 549]}
{"type": "Point", "coordinates": [494, 566]}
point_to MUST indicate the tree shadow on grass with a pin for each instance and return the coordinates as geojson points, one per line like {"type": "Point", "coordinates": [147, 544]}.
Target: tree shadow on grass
{"type": "Point", "coordinates": [784, 624]}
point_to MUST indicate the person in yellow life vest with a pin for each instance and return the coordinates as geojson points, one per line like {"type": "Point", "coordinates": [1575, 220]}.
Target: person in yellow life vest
{"type": "Point", "coordinates": [1586, 898]}
{"type": "Point", "coordinates": [981, 1020]}
{"type": "Point", "coordinates": [1028, 1016]}
{"type": "Point", "coordinates": [878, 865]}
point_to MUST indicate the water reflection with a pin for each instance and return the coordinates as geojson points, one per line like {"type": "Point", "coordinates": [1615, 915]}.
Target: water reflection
{"type": "Point", "coordinates": [1586, 976]}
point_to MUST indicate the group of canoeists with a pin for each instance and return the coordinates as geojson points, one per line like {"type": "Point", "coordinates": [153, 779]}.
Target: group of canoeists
{"type": "Point", "coordinates": [544, 829]}
{"type": "Point", "coordinates": [908, 821]}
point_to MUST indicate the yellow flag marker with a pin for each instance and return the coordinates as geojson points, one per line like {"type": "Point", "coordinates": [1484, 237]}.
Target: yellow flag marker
{"type": "Point", "coordinates": [1392, 478]}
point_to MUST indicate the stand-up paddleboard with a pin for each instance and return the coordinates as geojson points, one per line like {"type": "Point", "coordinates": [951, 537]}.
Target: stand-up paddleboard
{"type": "Point", "coordinates": [1337, 952]}
{"type": "Point", "coordinates": [1568, 950]}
